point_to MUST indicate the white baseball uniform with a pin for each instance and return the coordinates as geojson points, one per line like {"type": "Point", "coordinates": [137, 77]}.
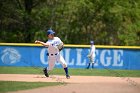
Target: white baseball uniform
{"type": "Point", "coordinates": [92, 54]}
{"type": "Point", "coordinates": [54, 54]}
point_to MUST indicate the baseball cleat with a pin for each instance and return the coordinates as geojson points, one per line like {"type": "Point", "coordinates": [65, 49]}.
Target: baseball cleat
{"type": "Point", "coordinates": [67, 76]}
{"type": "Point", "coordinates": [45, 72]}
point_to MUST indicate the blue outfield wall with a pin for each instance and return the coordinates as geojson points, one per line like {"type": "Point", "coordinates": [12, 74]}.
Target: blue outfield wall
{"type": "Point", "coordinates": [76, 56]}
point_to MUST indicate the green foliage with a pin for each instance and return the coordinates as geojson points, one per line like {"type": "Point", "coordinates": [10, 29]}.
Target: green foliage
{"type": "Point", "coordinates": [107, 22]}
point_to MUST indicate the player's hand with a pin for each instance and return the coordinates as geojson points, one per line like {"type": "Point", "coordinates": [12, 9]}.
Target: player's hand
{"type": "Point", "coordinates": [37, 42]}
{"type": "Point", "coordinates": [88, 56]}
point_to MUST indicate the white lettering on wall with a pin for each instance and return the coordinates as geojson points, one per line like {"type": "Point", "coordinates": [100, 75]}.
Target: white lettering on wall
{"type": "Point", "coordinates": [104, 57]}
{"type": "Point", "coordinates": [96, 60]}
{"type": "Point", "coordinates": [105, 61]}
{"type": "Point", "coordinates": [117, 58]}
{"type": "Point", "coordinates": [79, 62]}
{"type": "Point", "coordinates": [42, 56]}
{"type": "Point", "coordinates": [67, 57]}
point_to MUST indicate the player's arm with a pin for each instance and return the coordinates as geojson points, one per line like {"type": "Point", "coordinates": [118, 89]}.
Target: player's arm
{"type": "Point", "coordinates": [42, 43]}
{"type": "Point", "coordinates": [60, 45]}
{"type": "Point", "coordinates": [60, 41]}
{"type": "Point", "coordinates": [89, 55]}
{"type": "Point", "coordinates": [91, 52]}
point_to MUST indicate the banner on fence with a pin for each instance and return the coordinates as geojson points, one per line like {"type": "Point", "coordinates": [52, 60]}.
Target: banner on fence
{"type": "Point", "coordinates": [111, 58]}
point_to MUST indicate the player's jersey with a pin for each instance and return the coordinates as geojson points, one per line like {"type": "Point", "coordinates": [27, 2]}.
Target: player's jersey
{"type": "Point", "coordinates": [92, 51]}
{"type": "Point", "coordinates": [52, 49]}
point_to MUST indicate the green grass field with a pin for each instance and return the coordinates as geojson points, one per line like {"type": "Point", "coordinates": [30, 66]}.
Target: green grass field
{"type": "Point", "coordinates": [81, 72]}
{"type": "Point", "coordinates": [14, 86]}
{"type": "Point", "coordinates": [6, 86]}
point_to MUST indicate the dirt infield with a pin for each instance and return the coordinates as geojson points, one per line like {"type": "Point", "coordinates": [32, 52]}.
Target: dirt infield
{"type": "Point", "coordinates": [78, 84]}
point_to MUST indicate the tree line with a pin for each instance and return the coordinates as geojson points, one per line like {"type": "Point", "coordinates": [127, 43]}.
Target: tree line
{"type": "Point", "coordinates": [107, 22]}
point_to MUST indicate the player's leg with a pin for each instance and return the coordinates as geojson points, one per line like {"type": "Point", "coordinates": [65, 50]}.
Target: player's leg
{"type": "Point", "coordinates": [64, 64]}
{"type": "Point", "coordinates": [46, 72]}
{"type": "Point", "coordinates": [92, 62]}
{"type": "Point", "coordinates": [51, 64]}
{"type": "Point", "coordinates": [88, 65]}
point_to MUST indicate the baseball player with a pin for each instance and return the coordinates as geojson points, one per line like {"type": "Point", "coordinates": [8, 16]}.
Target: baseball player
{"type": "Point", "coordinates": [55, 45]}
{"type": "Point", "coordinates": [91, 55]}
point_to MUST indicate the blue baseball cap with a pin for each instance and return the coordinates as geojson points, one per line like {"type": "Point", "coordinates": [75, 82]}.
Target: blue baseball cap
{"type": "Point", "coordinates": [91, 42]}
{"type": "Point", "coordinates": [50, 32]}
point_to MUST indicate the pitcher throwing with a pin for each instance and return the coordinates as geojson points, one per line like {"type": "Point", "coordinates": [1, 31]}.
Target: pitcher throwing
{"type": "Point", "coordinates": [55, 45]}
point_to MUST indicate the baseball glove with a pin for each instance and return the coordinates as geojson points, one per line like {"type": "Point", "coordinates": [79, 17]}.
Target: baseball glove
{"type": "Point", "coordinates": [60, 46]}
{"type": "Point", "coordinates": [89, 56]}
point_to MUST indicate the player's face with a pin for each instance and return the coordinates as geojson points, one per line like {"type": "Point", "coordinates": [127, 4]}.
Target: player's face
{"type": "Point", "coordinates": [50, 36]}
